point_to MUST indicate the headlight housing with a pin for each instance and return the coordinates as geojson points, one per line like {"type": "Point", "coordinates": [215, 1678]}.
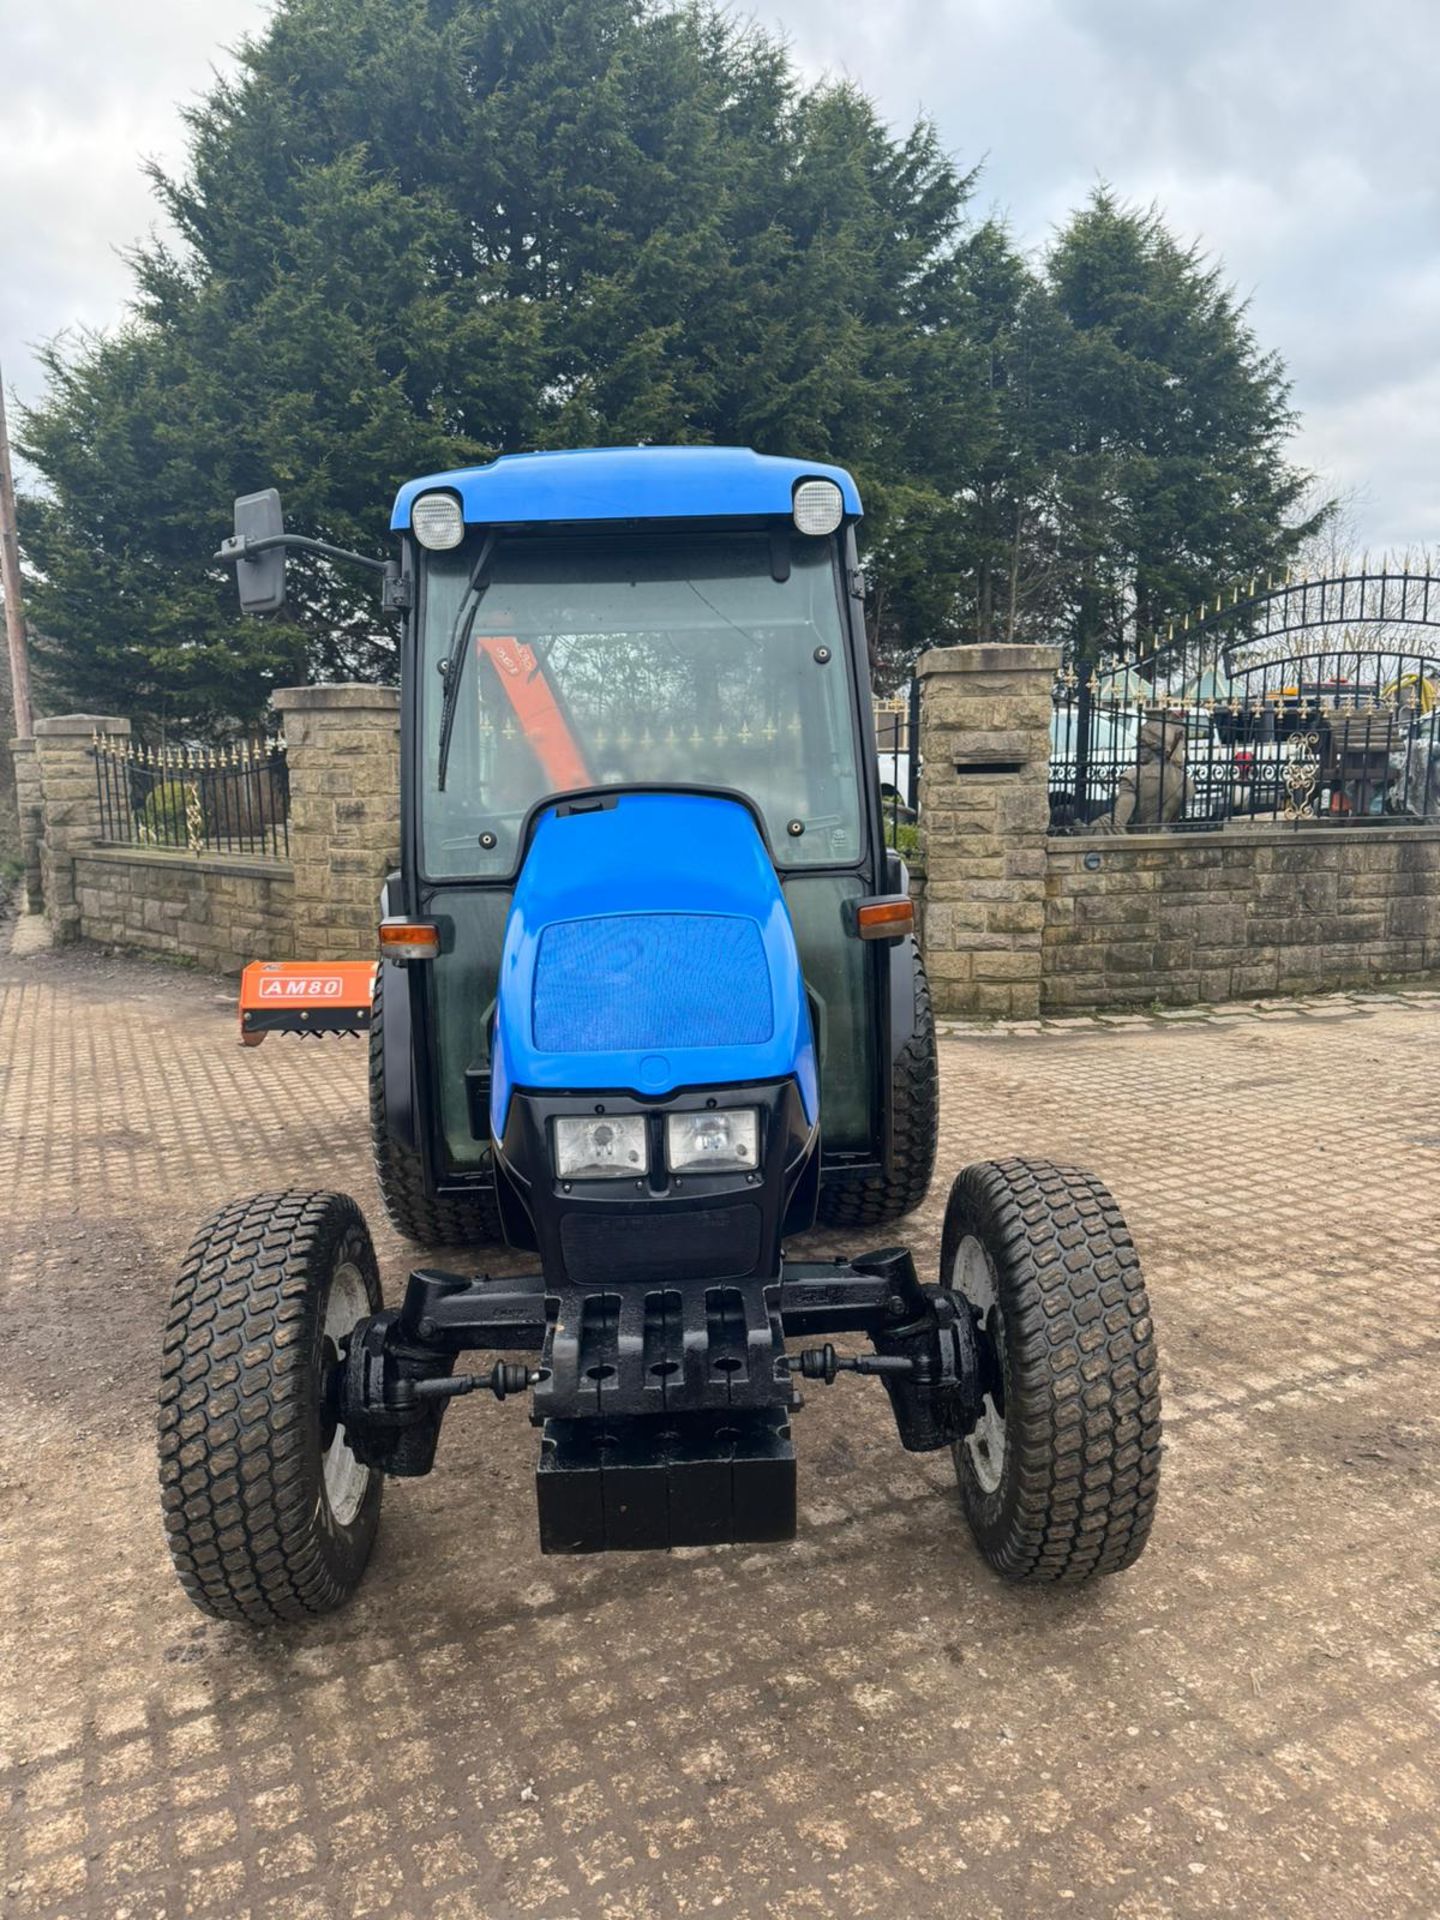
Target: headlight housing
{"type": "Point", "coordinates": [819, 506]}
{"type": "Point", "coordinates": [601, 1146]}
{"type": "Point", "coordinates": [719, 1140]}
{"type": "Point", "coordinates": [437, 521]}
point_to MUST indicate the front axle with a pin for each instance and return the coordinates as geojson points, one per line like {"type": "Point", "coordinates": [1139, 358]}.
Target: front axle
{"type": "Point", "coordinates": [664, 1411]}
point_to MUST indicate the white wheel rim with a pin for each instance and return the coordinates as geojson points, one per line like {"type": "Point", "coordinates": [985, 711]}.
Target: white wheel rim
{"type": "Point", "coordinates": [345, 1480]}
{"type": "Point", "coordinates": [974, 1276]}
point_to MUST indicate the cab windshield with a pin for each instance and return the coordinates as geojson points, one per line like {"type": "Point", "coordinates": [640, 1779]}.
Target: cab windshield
{"type": "Point", "coordinates": [619, 658]}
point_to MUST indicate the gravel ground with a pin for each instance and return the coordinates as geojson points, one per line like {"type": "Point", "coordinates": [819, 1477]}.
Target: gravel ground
{"type": "Point", "coordinates": [865, 1722]}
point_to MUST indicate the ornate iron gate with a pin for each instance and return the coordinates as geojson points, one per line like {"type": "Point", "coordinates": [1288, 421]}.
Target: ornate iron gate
{"type": "Point", "coordinates": [1225, 721]}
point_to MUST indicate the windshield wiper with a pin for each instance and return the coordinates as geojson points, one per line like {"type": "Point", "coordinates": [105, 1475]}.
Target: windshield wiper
{"type": "Point", "coordinates": [452, 668]}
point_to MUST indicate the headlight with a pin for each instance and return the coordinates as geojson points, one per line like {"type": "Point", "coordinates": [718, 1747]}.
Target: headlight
{"type": "Point", "coordinates": [819, 506]}
{"type": "Point", "coordinates": [713, 1141]}
{"type": "Point", "coordinates": [601, 1146]}
{"type": "Point", "coordinates": [438, 521]}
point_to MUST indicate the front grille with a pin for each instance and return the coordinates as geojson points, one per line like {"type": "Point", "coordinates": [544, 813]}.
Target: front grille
{"type": "Point", "coordinates": [714, 1243]}
{"type": "Point", "coordinates": [633, 982]}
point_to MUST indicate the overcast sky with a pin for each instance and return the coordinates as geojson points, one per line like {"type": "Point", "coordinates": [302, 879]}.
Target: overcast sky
{"type": "Point", "coordinates": [1298, 139]}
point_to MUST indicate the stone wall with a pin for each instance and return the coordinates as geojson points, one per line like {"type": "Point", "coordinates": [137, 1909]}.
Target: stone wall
{"type": "Point", "coordinates": [220, 910]}
{"type": "Point", "coordinates": [1017, 922]}
{"type": "Point", "coordinates": [70, 807]}
{"type": "Point", "coordinates": [344, 761]}
{"type": "Point", "coordinates": [1232, 914]}
{"type": "Point", "coordinates": [214, 909]}
{"type": "Point", "coordinates": [30, 811]}
{"type": "Point", "coordinates": [1013, 921]}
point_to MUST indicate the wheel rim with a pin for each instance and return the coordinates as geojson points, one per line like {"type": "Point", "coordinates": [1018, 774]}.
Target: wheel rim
{"type": "Point", "coordinates": [973, 1275]}
{"type": "Point", "coordinates": [345, 1480]}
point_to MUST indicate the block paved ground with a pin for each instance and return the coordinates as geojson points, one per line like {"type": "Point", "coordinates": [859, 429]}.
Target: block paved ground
{"type": "Point", "coordinates": [865, 1723]}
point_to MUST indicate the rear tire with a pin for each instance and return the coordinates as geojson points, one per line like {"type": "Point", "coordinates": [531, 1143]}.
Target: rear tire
{"type": "Point", "coordinates": [268, 1513]}
{"type": "Point", "coordinates": [915, 1105]}
{"type": "Point", "coordinates": [1059, 1479]}
{"type": "Point", "coordinates": [415, 1212]}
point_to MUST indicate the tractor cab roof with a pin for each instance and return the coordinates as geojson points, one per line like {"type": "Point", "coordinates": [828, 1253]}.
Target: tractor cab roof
{"type": "Point", "coordinates": [625, 483]}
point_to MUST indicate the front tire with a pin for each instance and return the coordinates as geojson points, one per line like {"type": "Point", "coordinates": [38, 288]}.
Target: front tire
{"type": "Point", "coordinates": [1059, 1478]}
{"type": "Point", "coordinates": [268, 1513]}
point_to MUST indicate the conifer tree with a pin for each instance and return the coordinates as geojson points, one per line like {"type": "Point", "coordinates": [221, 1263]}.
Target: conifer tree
{"type": "Point", "coordinates": [418, 233]}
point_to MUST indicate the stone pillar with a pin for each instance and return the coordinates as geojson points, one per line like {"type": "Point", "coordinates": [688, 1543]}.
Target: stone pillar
{"type": "Point", "coordinates": [28, 805]}
{"type": "Point", "coordinates": [344, 763]}
{"type": "Point", "coordinates": [70, 806]}
{"type": "Point", "coordinates": [984, 812]}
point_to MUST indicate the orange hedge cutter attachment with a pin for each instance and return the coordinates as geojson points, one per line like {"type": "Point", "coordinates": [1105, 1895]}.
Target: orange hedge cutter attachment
{"type": "Point", "coordinates": [296, 996]}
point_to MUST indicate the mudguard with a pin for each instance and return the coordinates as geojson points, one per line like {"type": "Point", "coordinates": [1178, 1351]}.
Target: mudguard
{"type": "Point", "coordinates": [398, 1035]}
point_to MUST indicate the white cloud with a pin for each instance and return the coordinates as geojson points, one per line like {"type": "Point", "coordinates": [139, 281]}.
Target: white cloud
{"type": "Point", "coordinates": [1295, 139]}
{"type": "Point", "coordinates": [93, 90]}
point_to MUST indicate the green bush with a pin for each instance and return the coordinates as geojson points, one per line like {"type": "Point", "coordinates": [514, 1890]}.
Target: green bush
{"type": "Point", "coordinates": [904, 837]}
{"type": "Point", "coordinates": [164, 816]}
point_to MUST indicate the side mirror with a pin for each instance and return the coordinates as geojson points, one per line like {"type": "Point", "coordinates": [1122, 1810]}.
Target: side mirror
{"type": "Point", "coordinates": [257, 550]}
{"type": "Point", "coordinates": [260, 576]}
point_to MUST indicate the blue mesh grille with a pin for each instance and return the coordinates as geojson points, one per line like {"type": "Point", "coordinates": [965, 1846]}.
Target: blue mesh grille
{"type": "Point", "coordinates": [633, 982]}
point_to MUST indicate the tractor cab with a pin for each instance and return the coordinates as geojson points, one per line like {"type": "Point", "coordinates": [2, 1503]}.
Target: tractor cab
{"type": "Point", "coordinates": [645, 618]}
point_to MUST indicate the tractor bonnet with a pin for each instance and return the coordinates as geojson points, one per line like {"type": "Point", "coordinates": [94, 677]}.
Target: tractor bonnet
{"type": "Point", "coordinates": [648, 948]}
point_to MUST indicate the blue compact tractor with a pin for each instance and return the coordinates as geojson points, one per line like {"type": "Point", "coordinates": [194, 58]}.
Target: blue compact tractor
{"type": "Point", "coordinates": [648, 1004]}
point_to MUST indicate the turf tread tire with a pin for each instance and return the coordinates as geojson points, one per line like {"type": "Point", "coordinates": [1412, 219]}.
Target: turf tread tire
{"type": "Point", "coordinates": [241, 1478]}
{"type": "Point", "coordinates": [419, 1215]}
{"type": "Point", "coordinates": [915, 1106]}
{"type": "Point", "coordinates": [1082, 1381]}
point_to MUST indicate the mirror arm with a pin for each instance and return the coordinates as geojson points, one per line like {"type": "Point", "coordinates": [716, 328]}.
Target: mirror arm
{"type": "Point", "coordinates": [394, 592]}
{"type": "Point", "coordinates": [240, 546]}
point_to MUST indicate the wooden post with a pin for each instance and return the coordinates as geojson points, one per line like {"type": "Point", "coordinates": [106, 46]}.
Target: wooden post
{"type": "Point", "coordinates": [10, 582]}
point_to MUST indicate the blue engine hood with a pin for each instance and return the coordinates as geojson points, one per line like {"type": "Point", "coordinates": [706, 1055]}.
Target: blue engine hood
{"type": "Point", "coordinates": [649, 948]}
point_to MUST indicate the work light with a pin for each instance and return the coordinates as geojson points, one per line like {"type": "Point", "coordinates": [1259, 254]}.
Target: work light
{"type": "Point", "coordinates": [716, 1141]}
{"type": "Point", "coordinates": [601, 1146]}
{"type": "Point", "coordinates": [438, 521]}
{"type": "Point", "coordinates": [819, 506]}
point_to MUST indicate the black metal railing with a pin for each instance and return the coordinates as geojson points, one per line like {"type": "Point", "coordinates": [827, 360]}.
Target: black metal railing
{"type": "Point", "coordinates": [233, 799]}
{"type": "Point", "coordinates": [1267, 612]}
{"type": "Point", "coordinates": [1331, 738]}
{"type": "Point", "coordinates": [897, 744]}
